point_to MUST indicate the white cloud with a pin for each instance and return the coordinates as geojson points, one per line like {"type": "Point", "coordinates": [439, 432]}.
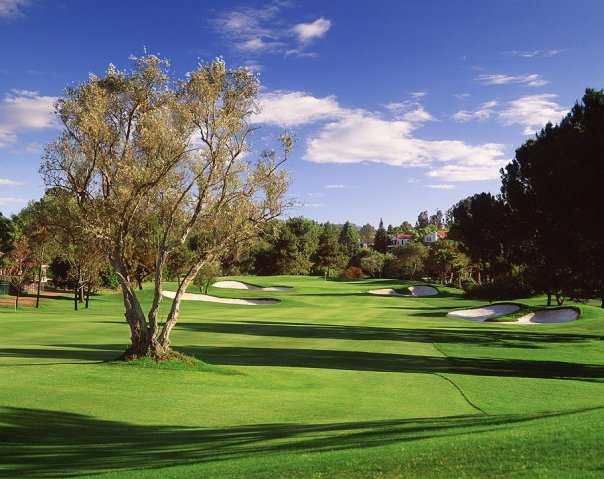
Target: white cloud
{"type": "Point", "coordinates": [11, 8]}
{"type": "Point", "coordinates": [532, 112]}
{"type": "Point", "coordinates": [309, 31]}
{"type": "Point", "coordinates": [312, 205]}
{"type": "Point", "coordinates": [7, 182]}
{"type": "Point", "coordinates": [483, 112]}
{"type": "Point", "coordinates": [316, 195]}
{"type": "Point", "coordinates": [441, 187]}
{"type": "Point", "coordinates": [535, 53]}
{"type": "Point", "coordinates": [357, 136]}
{"type": "Point", "coordinates": [23, 110]}
{"type": "Point", "coordinates": [335, 187]}
{"type": "Point", "coordinates": [295, 108]}
{"type": "Point", "coordinates": [11, 200]}
{"type": "Point", "coordinates": [533, 79]}
{"type": "Point", "coordinates": [410, 110]}
{"type": "Point", "coordinates": [263, 30]}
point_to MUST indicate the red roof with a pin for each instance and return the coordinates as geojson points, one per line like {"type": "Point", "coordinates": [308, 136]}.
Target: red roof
{"type": "Point", "coordinates": [404, 236]}
{"type": "Point", "coordinates": [442, 234]}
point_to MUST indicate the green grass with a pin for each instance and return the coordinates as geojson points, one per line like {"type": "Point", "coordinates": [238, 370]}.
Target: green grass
{"type": "Point", "coordinates": [331, 382]}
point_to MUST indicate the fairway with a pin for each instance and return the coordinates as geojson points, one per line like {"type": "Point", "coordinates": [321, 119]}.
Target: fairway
{"type": "Point", "coordinates": [330, 382]}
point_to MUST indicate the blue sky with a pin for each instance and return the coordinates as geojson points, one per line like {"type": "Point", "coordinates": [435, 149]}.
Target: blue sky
{"type": "Point", "coordinates": [397, 106]}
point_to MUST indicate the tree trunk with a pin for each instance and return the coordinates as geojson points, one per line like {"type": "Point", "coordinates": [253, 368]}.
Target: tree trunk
{"type": "Point", "coordinates": [140, 283]}
{"type": "Point", "coordinates": [602, 298]}
{"type": "Point", "coordinates": [75, 297]}
{"type": "Point", "coordinates": [549, 298]}
{"type": "Point", "coordinates": [163, 341]}
{"type": "Point", "coordinates": [18, 294]}
{"type": "Point", "coordinates": [559, 299]}
{"type": "Point", "coordinates": [87, 294]}
{"type": "Point", "coordinates": [479, 278]}
{"type": "Point", "coordinates": [39, 286]}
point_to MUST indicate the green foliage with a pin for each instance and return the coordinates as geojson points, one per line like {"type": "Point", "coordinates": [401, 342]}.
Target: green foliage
{"type": "Point", "coordinates": [206, 275]}
{"type": "Point", "coordinates": [109, 279]}
{"type": "Point", "coordinates": [501, 288]}
{"type": "Point", "coordinates": [381, 241]}
{"type": "Point", "coordinates": [349, 239]}
{"type": "Point", "coordinates": [372, 262]}
{"type": "Point", "coordinates": [553, 188]}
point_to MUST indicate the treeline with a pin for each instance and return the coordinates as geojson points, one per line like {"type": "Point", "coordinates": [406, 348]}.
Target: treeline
{"type": "Point", "coordinates": [302, 246]}
{"type": "Point", "coordinates": [543, 233]}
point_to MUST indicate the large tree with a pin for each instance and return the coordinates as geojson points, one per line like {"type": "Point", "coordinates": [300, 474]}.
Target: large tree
{"type": "Point", "coordinates": [481, 224]}
{"type": "Point", "coordinates": [138, 145]}
{"type": "Point", "coordinates": [553, 187]}
{"type": "Point", "coordinates": [349, 238]}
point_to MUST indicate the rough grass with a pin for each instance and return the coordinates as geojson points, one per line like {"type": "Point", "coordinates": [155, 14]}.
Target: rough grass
{"type": "Point", "coordinates": [331, 382]}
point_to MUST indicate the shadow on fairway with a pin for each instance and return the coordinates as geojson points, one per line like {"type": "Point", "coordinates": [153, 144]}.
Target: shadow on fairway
{"type": "Point", "coordinates": [41, 444]}
{"type": "Point", "coordinates": [395, 363]}
{"type": "Point", "coordinates": [464, 335]}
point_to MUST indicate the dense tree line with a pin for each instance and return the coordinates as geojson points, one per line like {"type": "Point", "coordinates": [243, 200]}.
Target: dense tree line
{"type": "Point", "coordinates": [544, 231]}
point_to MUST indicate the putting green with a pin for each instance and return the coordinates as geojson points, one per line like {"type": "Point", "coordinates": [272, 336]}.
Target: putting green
{"type": "Point", "coordinates": [330, 382]}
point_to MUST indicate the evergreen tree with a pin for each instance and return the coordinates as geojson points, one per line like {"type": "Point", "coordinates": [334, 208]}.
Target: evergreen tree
{"type": "Point", "coordinates": [328, 255]}
{"type": "Point", "coordinates": [349, 238]}
{"type": "Point", "coordinates": [381, 241]}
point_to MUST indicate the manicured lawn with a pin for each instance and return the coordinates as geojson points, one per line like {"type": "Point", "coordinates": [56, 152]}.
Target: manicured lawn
{"type": "Point", "coordinates": [329, 383]}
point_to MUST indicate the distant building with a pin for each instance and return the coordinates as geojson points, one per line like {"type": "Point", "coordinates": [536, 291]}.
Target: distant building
{"type": "Point", "coordinates": [400, 239]}
{"type": "Point", "coordinates": [435, 236]}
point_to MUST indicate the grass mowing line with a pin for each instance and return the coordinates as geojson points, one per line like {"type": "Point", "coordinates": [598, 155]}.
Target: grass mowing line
{"type": "Point", "coordinates": [455, 385]}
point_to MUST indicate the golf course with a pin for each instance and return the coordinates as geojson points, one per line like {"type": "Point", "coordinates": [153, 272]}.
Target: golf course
{"type": "Point", "coordinates": [330, 381]}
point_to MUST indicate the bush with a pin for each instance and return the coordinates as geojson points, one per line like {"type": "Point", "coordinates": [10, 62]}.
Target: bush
{"type": "Point", "coordinates": [503, 287]}
{"type": "Point", "coordinates": [352, 272]}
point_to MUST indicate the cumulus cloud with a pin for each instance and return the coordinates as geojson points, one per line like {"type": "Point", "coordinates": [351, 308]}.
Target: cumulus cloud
{"type": "Point", "coordinates": [335, 187]}
{"type": "Point", "coordinates": [532, 112]}
{"type": "Point", "coordinates": [23, 110]}
{"type": "Point", "coordinates": [441, 186]}
{"type": "Point", "coordinates": [263, 30]}
{"type": "Point", "coordinates": [11, 8]}
{"type": "Point", "coordinates": [483, 112]}
{"type": "Point", "coordinates": [532, 79]}
{"type": "Point", "coordinates": [310, 31]}
{"type": "Point", "coordinates": [293, 108]}
{"type": "Point", "coordinates": [347, 135]}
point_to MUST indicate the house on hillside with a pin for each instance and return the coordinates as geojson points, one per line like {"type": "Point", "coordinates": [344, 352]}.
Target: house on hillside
{"type": "Point", "coordinates": [400, 239]}
{"type": "Point", "coordinates": [435, 236]}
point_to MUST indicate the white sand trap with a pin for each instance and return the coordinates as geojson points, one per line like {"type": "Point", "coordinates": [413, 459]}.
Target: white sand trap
{"type": "Point", "coordinates": [549, 316]}
{"type": "Point", "coordinates": [488, 312]}
{"type": "Point", "coordinates": [242, 285]}
{"type": "Point", "coordinates": [215, 299]}
{"type": "Point", "coordinates": [423, 291]}
{"type": "Point", "coordinates": [386, 292]}
{"type": "Point", "coordinates": [415, 291]}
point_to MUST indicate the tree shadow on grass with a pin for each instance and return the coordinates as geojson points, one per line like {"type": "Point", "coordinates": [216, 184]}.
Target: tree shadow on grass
{"type": "Point", "coordinates": [475, 336]}
{"type": "Point", "coordinates": [343, 360]}
{"type": "Point", "coordinates": [394, 363]}
{"type": "Point", "coordinates": [40, 443]}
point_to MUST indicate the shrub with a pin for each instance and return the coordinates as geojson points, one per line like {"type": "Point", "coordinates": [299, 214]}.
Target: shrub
{"type": "Point", "coordinates": [352, 272]}
{"type": "Point", "coordinates": [503, 287]}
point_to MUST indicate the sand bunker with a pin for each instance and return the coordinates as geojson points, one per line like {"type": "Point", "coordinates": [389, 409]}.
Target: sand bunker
{"type": "Point", "coordinates": [487, 312]}
{"type": "Point", "coordinates": [242, 285]}
{"type": "Point", "coordinates": [423, 291]}
{"type": "Point", "coordinates": [414, 290]}
{"type": "Point", "coordinates": [215, 299]}
{"type": "Point", "coordinates": [549, 316]}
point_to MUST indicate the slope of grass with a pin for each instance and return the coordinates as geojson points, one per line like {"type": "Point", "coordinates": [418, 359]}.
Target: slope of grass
{"type": "Point", "coordinates": [331, 382]}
